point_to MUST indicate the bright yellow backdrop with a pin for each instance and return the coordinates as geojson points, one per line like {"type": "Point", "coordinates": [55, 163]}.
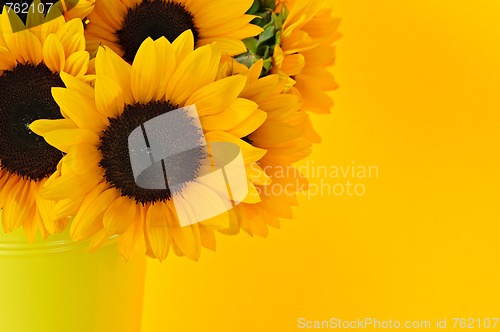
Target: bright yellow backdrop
{"type": "Point", "coordinates": [420, 99]}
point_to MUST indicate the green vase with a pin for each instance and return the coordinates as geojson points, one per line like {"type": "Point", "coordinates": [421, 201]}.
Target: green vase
{"type": "Point", "coordinates": [57, 286]}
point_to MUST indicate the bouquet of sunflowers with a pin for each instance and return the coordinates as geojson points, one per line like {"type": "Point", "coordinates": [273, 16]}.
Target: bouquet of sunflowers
{"type": "Point", "coordinates": [159, 122]}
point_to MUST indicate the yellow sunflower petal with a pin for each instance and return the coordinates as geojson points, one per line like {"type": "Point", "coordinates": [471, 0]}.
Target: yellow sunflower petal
{"type": "Point", "coordinates": [71, 104]}
{"type": "Point", "coordinates": [217, 11]}
{"type": "Point", "coordinates": [65, 208]}
{"type": "Point", "coordinates": [4, 177]}
{"type": "Point", "coordinates": [257, 175]}
{"type": "Point", "coordinates": [17, 206]}
{"type": "Point", "coordinates": [98, 240]}
{"type": "Point", "coordinates": [249, 125]}
{"type": "Point", "coordinates": [77, 63]}
{"type": "Point", "coordinates": [7, 59]}
{"type": "Point", "coordinates": [253, 196]}
{"type": "Point", "coordinates": [293, 64]}
{"type": "Point", "coordinates": [119, 216]}
{"type": "Point", "coordinates": [131, 242]}
{"type": "Point", "coordinates": [158, 236]}
{"type": "Point", "coordinates": [30, 225]}
{"type": "Point", "coordinates": [104, 35]}
{"type": "Point", "coordinates": [7, 188]}
{"type": "Point", "coordinates": [183, 46]}
{"type": "Point", "coordinates": [257, 227]}
{"type": "Point", "coordinates": [315, 99]}
{"type": "Point", "coordinates": [250, 153]}
{"type": "Point", "coordinates": [72, 185]}
{"type": "Point", "coordinates": [108, 97]}
{"type": "Point", "coordinates": [26, 45]}
{"type": "Point", "coordinates": [41, 225]}
{"type": "Point", "coordinates": [207, 236]}
{"type": "Point", "coordinates": [109, 64]}
{"type": "Point", "coordinates": [10, 22]}
{"type": "Point", "coordinates": [71, 36]}
{"type": "Point", "coordinates": [111, 12]}
{"type": "Point", "coordinates": [310, 132]}
{"type": "Point", "coordinates": [280, 107]}
{"type": "Point", "coordinates": [153, 65]}
{"type": "Point", "coordinates": [322, 78]}
{"type": "Point", "coordinates": [78, 85]}
{"type": "Point", "coordinates": [187, 241]}
{"type": "Point", "coordinates": [266, 137]}
{"type": "Point", "coordinates": [165, 65]}
{"type": "Point", "coordinates": [237, 112]}
{"type": "Point", "coordinates": [65, 139]}
{"type": "Point", "coordinates": [196, 71]}
{"type": "Point", "coordinates": [49, 27]}
{"type": "Point", "coordinates": [53, 54]}
{"type": "Point", "coordinates": [218, 96]}
{"type": "Point", "coordinates": [205, 201]}
{"type": "Point", "coordinates": [229, 46]}
{"type": "Point", "coordinates": [263, 88]}
{"type": "Point", "coordinates": [81, 10]}
{"type": "Point", "coordinates": [82, 157]}
{"type": "Point", "coordinates": [45, 208]}
{"type": "Point", "coordinates": [88, 220]}
{"type": "Point", "coordinates": [41, 127]}
{"type": "Point", "coordinates": [219, 222]}
{"type": "Point", "coordinates": [238, 29]}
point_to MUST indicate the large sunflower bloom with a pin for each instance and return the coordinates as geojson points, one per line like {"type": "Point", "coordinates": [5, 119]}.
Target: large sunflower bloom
{"type": "Point", "coordinates": [30, 63]}
{"type": "Point", "coordinates": [281, 136]}
{"type": "Point", "coordinates": [124, 24]}
{"type": "Point", "coordinates": [96, 170]}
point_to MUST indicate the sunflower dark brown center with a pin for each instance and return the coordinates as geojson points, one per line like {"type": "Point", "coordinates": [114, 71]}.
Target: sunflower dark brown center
{"type": "Point", "coordinates": [155, 19]}
{"type": "Point", "coordinates": [25, 96]}
{"type": "Point", "coordinates": [116, 161]}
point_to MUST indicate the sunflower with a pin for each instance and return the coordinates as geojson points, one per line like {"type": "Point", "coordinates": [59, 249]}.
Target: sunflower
{"type": "Point", "coordinates": [30, 64]}
{"type": "Point", "coordinates": [306, 51]}
{"type": "Point", "coordinates": [97, 171]}
{"type": "Point", "coordinates": [298, 44]}
{"type": "Point", "coordinates": [280, 135]}
{"type": "Point", "coordinates": [124, 24]}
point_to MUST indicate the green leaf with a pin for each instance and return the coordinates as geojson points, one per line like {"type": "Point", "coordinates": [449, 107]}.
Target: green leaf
{"type": "Point", "coordinates": [278, 22]}
{"type": "Point", "coordinates": [263, 51]}
{"type": "Point", "coordinates": [248, 59]}
{"type": "Point", "coordinates": [278, 38]}
{"type": "Point", "coordinates": [251, 44]}
{"type": "Point", "coordinates": [268, 64]}
{"type": "Point", "coordinates": [255, 8]}
{"type": "Point", "coordinates": [263, 46]}
{"type": "Point", "coordinates": [268, 34]}
{"type": "Point", "coordinates": [269, 4]}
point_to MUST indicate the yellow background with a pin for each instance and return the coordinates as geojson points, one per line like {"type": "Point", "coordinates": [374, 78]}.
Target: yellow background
{"type": "Point", "coordinates": [419, 98]}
